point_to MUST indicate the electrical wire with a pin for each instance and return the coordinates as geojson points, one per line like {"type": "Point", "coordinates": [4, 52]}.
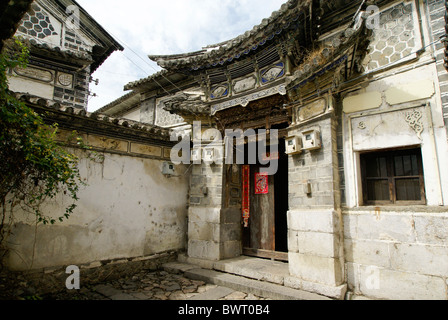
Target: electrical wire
{"type": "Point", "coordinates": [125, 45]}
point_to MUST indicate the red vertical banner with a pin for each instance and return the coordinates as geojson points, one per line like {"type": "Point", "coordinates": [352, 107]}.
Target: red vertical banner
{"type": "Point", "coordinates": [246, 195]}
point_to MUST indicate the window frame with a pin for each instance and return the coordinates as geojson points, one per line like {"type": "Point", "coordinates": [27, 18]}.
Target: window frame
{"type": "Point", "coordinates": [392, 177]}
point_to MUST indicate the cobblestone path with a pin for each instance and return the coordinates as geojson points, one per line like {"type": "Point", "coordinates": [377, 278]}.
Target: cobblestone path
{"type": "Point", "coordinates": [159, 285]}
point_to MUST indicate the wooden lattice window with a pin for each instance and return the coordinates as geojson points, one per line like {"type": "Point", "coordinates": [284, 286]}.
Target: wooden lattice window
{"type": "Point", "coordinates": [393, 177]}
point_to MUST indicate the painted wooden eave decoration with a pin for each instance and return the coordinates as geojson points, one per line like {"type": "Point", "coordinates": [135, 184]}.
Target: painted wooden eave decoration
{"type": "Point", "coordinates": [344, 51]}
{"type": "Point", "coordinates": [292, 14]}
{"type": "Point", "coordinates": [72, 118]}
{"type": "Point", "coordinates": [340, 59]}
{"type": "Point", "coordinates": [187, 106]}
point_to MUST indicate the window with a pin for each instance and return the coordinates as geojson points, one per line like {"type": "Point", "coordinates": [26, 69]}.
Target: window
{"type": "Point", "coordinates": [393, 177]}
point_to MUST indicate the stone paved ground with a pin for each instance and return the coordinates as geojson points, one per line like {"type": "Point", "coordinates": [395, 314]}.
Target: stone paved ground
{"type": "Point", "coordinates": [159, 285]}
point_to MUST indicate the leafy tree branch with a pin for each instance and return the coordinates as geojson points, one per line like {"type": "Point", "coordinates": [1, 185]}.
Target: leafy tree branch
{"type": "Point", "coordinates": [34, 167]}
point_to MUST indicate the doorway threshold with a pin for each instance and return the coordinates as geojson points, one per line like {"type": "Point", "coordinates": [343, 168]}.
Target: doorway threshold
{"type": "Point", "coordinates": [266, 254]}
{"type": "Point", "coordinates": [264, 278]}
{"type": "Point", "coordinates": [248, 267]}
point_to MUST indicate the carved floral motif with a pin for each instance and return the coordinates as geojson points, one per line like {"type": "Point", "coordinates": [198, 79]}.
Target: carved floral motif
{"type": "Point", "coordinates": [414, 119]}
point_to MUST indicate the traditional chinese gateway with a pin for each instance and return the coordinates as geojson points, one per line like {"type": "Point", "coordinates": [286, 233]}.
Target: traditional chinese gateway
{"type": "Point", "coordinates": [357, 91]}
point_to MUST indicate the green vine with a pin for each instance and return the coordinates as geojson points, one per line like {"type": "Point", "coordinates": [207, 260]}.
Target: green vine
{"type": "Point", "coordinates": [34, 166]}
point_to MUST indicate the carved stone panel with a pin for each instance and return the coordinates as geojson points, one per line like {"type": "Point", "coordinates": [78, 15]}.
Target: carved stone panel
{"type": "Point", "coordinates": [65, 79]}
{"type": "Point", "coordinates": [388, 130]}
{"type": "Point", "coordinates": [34, 73]}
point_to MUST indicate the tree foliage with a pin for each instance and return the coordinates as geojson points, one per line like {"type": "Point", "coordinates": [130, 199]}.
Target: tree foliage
{"type": "Point", "coordinates": [33, 166]}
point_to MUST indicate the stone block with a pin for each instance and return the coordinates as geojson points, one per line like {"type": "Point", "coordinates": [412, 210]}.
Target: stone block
{"type": "Point", "coordinates": [328, 271]}
{"type": "Point", "coordinates": [399, 285]}
{"type": "Point", "coordinates": [367, 252]}
{"type": "Point", "coordinates": [230, 232]}
{"type": "Point", "coordinates": [202, 249]}
{"type": "Point", "coordinates": [203, 231]}
{"type": "Point", "coordinates": [328, 291]}
{"type": "Point", "coordinates": [318, 244]}
{"type": "Point", "coordinates": [231, 249]}
{"type": "Point", "coordinates": [350, 222]}
{"type": "Point", "coordinates": [431, 229]}
{"type": "Point", "coordinates": [325, 172]}
{"type": "Point", "coordinates": [422, 259]}
{"type": "Point", "coordinates": [293, 241]}
{"type": "Point", "coordinates": [207, 214]}
{"type": "Point", "coordinates": [386, 226]}
{"type": "Point", "coordinates": [327, 221]}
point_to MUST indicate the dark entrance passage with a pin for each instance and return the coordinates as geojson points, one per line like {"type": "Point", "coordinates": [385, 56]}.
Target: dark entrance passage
{"type": "Point", "coordinates": [266, 236]}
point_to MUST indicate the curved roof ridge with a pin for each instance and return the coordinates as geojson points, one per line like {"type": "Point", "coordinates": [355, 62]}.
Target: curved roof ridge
{"type": "Point", "coordinates": [165, 61]}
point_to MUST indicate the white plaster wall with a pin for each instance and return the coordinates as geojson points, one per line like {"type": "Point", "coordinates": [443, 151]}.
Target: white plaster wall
{"type": "Point", "coordinates": [129, 209]}
{"type": "Point", "coordinates": [36, 88]}
{"type": "Point", "coordinates": [133, 115]}
{"type": "Point", "coordinates": [397, 252]}
{"type": "Point", "coordinates": [386, 128]}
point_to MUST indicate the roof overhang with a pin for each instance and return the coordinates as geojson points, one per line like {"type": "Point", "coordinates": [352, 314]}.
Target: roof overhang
{"type": "Point", "coordinates": [10, 17]}
{"type": "Point", "coordinates": [88, 24]}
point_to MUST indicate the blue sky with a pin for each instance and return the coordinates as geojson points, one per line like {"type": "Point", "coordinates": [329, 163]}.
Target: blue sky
{"type": "Point", "coordinates": [164, 27]}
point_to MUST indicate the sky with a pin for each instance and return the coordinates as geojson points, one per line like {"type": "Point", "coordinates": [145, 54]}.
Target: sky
{"type": "Point", "coordinates": [145, 27]}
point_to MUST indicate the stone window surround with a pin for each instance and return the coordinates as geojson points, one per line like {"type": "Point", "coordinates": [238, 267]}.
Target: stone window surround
{"type": "Point", "coordinates": [353, 166]}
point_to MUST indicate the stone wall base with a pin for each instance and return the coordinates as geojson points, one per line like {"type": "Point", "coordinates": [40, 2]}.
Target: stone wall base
{"type": "Point", "coordinates": [337, 292]}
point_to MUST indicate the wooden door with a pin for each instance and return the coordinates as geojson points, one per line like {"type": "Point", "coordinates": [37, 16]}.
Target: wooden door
{"type": "Point", "coordinates": [261, 230]}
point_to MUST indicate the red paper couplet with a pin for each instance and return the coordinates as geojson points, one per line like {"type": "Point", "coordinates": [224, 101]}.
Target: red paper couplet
{"type": "Point", "coordinates": [246, 195]}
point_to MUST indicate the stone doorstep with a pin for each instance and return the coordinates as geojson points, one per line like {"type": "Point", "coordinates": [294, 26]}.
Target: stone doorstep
{"type": "Point", "coordinates": [213, 294]}
{"type": "Point", "coordinates": [243, 284]}
{"type": "Point", "coordinates": [264, 270]}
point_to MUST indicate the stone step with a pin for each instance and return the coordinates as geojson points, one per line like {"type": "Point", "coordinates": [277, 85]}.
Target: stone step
{"type": "Point", "coordinates": [213, 294]}
{"type": "Point", "coordinates": [240, 283]}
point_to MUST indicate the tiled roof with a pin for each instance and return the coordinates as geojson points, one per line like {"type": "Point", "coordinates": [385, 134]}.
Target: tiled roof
{"type": "Point", "coordinates": [152, 77]}
{"type": "Point", "coordinates": [143, 129]}
{"type": "Point", "coordinates": [108, 43]}
{"type": "Point", "coordinates": [58, 53]}
{"type": "Point", "coordinates": [127, 99]}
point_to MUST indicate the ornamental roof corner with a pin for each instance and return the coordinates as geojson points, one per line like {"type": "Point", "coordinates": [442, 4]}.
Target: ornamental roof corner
{"type": "Point", "coordinates": [227, 51]}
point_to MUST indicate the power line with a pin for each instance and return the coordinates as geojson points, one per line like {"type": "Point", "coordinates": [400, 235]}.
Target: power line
{"type": "Point", "coordinates": [146, 62]}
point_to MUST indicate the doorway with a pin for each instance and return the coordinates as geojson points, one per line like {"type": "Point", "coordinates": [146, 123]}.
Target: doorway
{"type": "Point", "coordinates": [266, 234]}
